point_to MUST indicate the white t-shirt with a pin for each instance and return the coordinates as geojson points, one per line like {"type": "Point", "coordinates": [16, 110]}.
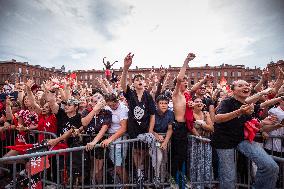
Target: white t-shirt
{"type": "Point", "coordinates": [278, 112]}
{"type": "Point", "coordinates": [276, 144]}
{"type": "Point", "coordinates": [118, 115]}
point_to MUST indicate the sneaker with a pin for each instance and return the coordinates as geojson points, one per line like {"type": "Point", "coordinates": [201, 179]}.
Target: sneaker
{"type": "Point", "coordinates": [156, 181]}
{"type": "Point", "coordinates": [173, 184]}
{"type": "Point", "coordinates": [186, 182]}
{"type": "Point", "coordinates": [140, 178]}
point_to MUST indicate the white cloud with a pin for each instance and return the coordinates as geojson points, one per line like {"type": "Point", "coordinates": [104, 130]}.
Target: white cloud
{"type": "Point", "coordinates": [54, 32]}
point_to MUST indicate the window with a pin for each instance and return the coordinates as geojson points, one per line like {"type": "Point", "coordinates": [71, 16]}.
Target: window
{"type": "Point", "coordinates": [91, 76]}
{"type": "Point", "coordinates": [20, 70]}
{"type": "Point", "coordinates": [219, 74]}
{"type": "Point", "coordinates": [27, 71]}
{"type": "Point", "coordinates": [225, 73]}
{"type": "Point", "coordinates": [86, 77]}
{"type": "Point", "coordinates": [192, 74]}
{"type": "Point", "coordinates": [204, 74]}
{"type": "Point", "coordinates": [232, 73]}
{"type": "Point", "coordinates": [239, 74]}
{"type": "Point", "coordinates": [198, 74]}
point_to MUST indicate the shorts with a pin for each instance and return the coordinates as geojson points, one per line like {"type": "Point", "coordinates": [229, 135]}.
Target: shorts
{"type": "Point", "coordinates": [98, 152]}
{"type": "Point", "coordinates": [117, 153]}
{"type": "Point", "coordinates": [179, 130]}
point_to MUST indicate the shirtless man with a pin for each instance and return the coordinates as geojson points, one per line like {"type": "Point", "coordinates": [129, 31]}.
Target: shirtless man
{"type": "Point", "coordinates": [183, 118]}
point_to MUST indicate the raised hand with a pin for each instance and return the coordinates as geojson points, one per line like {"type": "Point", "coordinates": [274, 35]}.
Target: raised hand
{"type": "Point", "coordinates": [281, 73]}
{"type": "Point", "coordinates": [265, 74]}
{"type": "Point", "coordinates": [208, 77]}
{"type": "Point", "coordinates": [54, 79]}
{"type": "Point", "coordinates": [47, 85]}
{"type": "Point", "coordinates": [30, 83]}
{"type": "Point", "coordinates": [100, 103]}
{"type": "Point", "coordinates": [128, 60]}
{"type": "Point", "coordinates": [190, 57]}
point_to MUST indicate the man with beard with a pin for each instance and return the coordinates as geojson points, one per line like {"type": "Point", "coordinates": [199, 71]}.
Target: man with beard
{"type": "Point", "coordinates": [230, 119]}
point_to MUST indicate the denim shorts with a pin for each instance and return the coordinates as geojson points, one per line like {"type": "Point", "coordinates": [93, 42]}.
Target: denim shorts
{"type": "Point", "coordinates": [117, 152]}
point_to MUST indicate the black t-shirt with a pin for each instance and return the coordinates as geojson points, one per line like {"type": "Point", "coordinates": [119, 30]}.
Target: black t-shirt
{"type": "Point", "coordinates": [103, 118]}
{"type": "Point", "coordinates": [65, 123]}
{"type": "Point", "coordinates": [139, 112]}
{"type": "Point", "coordinates": [228, 135]}
{"type": "Point", "coordinates": [207, 101]}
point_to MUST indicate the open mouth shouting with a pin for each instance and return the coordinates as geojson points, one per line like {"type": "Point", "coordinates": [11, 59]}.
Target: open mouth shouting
{"type": "Point", "coordinates": [246, 91]}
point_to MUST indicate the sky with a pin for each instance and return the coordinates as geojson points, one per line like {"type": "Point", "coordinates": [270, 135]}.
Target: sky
{"type": "Point", "coordinates": [78, 34]}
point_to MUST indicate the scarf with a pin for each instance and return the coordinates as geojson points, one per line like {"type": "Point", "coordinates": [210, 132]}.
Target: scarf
{"type": "Point", "coordinates": [251, 128]}
{"type": "Point", "coordinates": [188, 112]}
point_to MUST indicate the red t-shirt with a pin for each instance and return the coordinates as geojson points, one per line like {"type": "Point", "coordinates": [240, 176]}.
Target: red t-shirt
{"type": "Point", "coordinates": [48, 124]}
{"type": "Point", "coordinates": [29, 118]}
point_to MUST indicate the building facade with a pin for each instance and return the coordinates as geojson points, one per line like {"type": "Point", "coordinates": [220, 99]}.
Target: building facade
{"type": "Point", "coordinates": [21, 71]}
{"type": "Point", "coordinates": [229, 72]}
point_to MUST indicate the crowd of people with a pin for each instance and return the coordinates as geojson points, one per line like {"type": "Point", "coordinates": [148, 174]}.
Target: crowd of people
{"type": "Point", "coordinates": [145, 108]}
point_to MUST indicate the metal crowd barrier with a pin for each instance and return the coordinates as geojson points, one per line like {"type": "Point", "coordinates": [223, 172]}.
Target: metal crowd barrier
{"type": "Point", "coordinates": [274, 146]}
{"type": "Point", "coordinates": [115, 167]}
{"type": "Point", "coordinates": [77, 168]}
{"type": "Point", "coordinates": [203, 163]}
{"type": "Point", "coordinates": [8, 137]}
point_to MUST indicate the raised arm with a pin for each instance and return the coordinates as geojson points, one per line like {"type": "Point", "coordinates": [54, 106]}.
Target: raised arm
{"type": "Point", "coordinates": [182, 71]}
{"type": "Point", "coordinates": [51, 99]}
{"type": "Point", "coordinates": [104, 61]}
{"type": "Point", "coordinates": [160, 83]}
{"type": "Point", "coordinates": [113, 63]}
{"type": "Point", "coordinates": [254, 98]}
{"type": "Point", "coordinates": [102, 84]}
{"type": "Point", "coordinates": [279, 81]}
{"type": "Point", "coordinates": [271, 102]}
{"type": "Point", "coordinates": [9, 114]}
{"type": "Point", "coordinates": [86, 120]}
{"type": "Point", "coordinates": [31, 96]}
{"type": "Point", "coordinates": [108, 86]}
{"type": "Point", "coordinates": [165, 82]}
{"type": "Point", "coordinates": [264, 78]}
{"type": "Point", "coordinates": [196, 86]}
{"type": "Point", "coordinates": [127, 64]}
